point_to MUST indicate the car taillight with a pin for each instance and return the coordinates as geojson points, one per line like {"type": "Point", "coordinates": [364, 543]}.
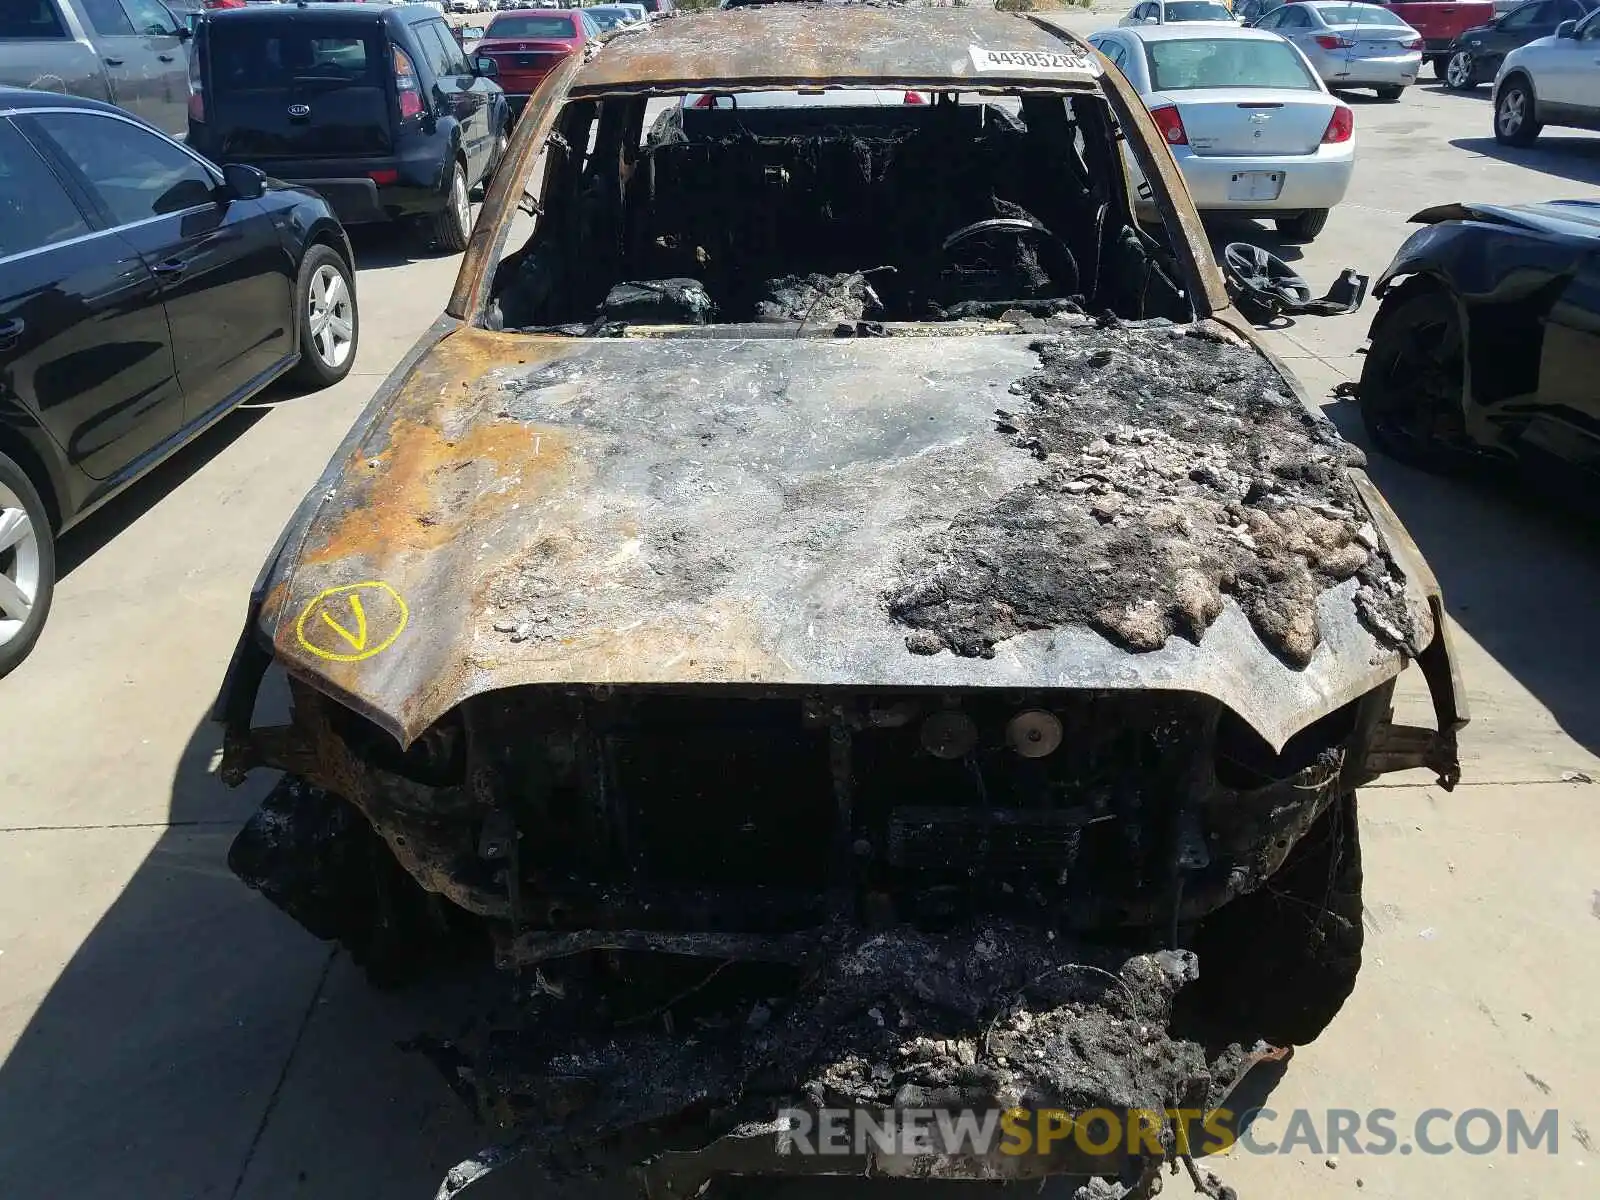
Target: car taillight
{"type": "Point", "coordinates": [1341, 126]}
{"type": "Point", "coordinates": [384, 175]}
{"type": "Point", "coordinates": [1170, 123]}
{"type": "Point", "coordinates": [705, 101]}
{"type": "Point", "coordinates": [405, 82]}
{"type": "Point", "coordinates": [1332, 41]}
{"type": "Point", "coordinates": [1414, 44]}
{"type": "Point", "coordinates": [915, 98]}
{"type": "Point", "coordinates": [212, 5]}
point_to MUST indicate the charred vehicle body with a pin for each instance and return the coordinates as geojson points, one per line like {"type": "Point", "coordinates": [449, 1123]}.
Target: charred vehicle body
{"type": "Point", "coordinates": [840, 614]}
{"type": "Point", "coordinates": [1482, 353]}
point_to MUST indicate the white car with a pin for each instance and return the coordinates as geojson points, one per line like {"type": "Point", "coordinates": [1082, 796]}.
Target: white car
{"type": "Point", "coordinates": [1249, 123]}
{"type": "Point", "coordinates": [466, 6]}
{"type": "Point", "coordinates": [1174, 12]}
{"type": "Point", "coordinates": [1351, 45]}
{"type": "Point", "coordinates": [1551, 81]}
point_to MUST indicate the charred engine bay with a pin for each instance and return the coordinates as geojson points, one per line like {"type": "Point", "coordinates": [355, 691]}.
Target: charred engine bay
{"type": "Point", "coordinates": [1178, 470]}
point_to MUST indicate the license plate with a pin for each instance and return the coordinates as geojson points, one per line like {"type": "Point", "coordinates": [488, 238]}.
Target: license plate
{"type": "Point", "coordinates": [1255, 185]}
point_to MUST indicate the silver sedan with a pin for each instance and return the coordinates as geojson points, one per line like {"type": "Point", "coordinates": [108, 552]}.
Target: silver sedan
{"type": "Point", "coordinates": [1250, 125]}
{"type": "Point", "coordinates": [1173, 12]}
{"type": "Point", "coordinates": [1351, 45]}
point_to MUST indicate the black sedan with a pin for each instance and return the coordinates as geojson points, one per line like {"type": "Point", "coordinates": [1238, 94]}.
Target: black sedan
{"type": "Point", "coordinates": [1486, 349]}
{"type": "Point", "coordinates": [144, 292]}
{"type": "Point", "coordinates": [1476, 54]}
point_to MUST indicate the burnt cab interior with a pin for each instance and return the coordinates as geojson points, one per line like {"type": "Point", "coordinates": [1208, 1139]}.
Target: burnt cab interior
{"type": "Point", "coordinates": [942, 207]}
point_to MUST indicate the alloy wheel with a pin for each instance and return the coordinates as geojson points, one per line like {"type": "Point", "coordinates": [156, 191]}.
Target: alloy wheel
{"type": "Point", "coordinates": [1459, 73]}
{"type": "Point", "coordinates": [332, 316]}
{"type": "Point", "coordinates": [19, 565]}
{"type": "Point", "coordinates": [460, 202]}
{"type": "Point", "coordinates": [1513, 112]}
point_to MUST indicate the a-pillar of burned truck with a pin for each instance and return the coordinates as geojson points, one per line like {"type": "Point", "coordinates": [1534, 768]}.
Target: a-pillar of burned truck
{"type": "Point", "coordinates": [843, 613]}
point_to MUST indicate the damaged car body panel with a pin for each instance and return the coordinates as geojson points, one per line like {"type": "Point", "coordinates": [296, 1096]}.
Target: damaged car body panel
{"type": "Point", "coordinates": [828, 650]}
{"type": "Point", "coordinates": [1524, 284]}
{"type": "Point", "coordinates": [636, 526]}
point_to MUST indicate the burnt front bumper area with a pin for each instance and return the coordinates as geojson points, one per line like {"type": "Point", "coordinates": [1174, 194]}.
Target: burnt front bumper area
{"type": "Point", "coordinates": [712, 908]}
{"type": "Point", "coordinates": [732, 825]}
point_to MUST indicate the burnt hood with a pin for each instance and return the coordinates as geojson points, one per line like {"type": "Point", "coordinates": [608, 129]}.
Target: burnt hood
{"type": "Point", "coordinates": [704, 511]}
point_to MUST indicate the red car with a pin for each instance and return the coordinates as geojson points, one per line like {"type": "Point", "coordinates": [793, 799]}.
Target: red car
{"type": "Point", "coordinates": [528, 44]}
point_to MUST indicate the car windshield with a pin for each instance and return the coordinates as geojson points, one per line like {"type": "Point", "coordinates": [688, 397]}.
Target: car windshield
{"type": "Point", "coordinates": [1359, 14]}
{"type": "Point", "coordinates": [608, 18]}
{"type": "Point", "coordinates": [839, 209]}
{"type": "Point", "coordinates": [1222, 62]}
{"type": "Point", "coordinates": [532, 25]}
{"type": "Point", "coordinates": [1197, 10]}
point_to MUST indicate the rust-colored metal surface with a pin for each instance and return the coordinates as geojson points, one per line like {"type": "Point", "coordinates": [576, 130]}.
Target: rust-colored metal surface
{"type": "Point", "coordinates": [766, 45]}
{"type": "Point", "coordinates": [697, 511]}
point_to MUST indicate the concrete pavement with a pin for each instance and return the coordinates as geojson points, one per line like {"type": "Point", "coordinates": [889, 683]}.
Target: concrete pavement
{"type": "Point", "coordinates": [167, 1034]}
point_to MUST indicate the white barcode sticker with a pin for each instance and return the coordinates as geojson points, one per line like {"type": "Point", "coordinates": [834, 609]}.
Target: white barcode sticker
{"type": "Point", "coordinates": [1052, 62]}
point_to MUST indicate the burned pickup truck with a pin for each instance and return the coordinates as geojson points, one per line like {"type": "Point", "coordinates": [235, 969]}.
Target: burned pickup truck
{"type": "Point", "coordinates": [839, 615]}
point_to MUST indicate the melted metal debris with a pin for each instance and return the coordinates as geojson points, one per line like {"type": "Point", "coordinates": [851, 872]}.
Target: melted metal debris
{"type": "Point", "coordinates": [1179, 469]}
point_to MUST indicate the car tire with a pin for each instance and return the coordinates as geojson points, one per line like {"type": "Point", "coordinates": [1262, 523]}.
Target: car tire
{"type": "Point", "coordinates": [1440, 63]}
{"type": "Point", "coordinates": [1393, 92]}
{"type": "Point", "coordinates": [1461, 72]}
{"type": "Point", "coordinates": [1302, 227]}
{"type": "Point", "coordinates": [330, 324]}
{"type": "Point", "coordinates": [27, 565]}
{"type": "Point", "coordinates": [1279, 962]}
{"type": "Point", "coordinates": [1413, 379]}
{"type": "Point", "coordinates": [1516, 120]}
{"type": "Point", "coordinates": [453, 224]}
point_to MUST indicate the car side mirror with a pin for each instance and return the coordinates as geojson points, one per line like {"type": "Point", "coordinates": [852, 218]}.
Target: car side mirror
{"type": "Point", "coordinates": [486, 68]}
{"type": "Point", "coordinates": [240, 181]}
{"type": "Point", "coordinates": [1567, 29]}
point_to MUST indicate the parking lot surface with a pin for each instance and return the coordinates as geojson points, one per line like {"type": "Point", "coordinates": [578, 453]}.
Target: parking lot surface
{"type": "Point", "coordinates": [166, 1033]}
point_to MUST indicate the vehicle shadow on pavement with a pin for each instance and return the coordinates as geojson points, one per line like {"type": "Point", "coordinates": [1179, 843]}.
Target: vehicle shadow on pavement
{"type": "Point", "coordinates": [1573, 158]}
{"type": "Point", "coordinates": [1483, 93]}
{"type": "Point", "coordinates": [98, 529]}
{"type": "Point", "coordinates": [200, 1043]}
{"type": "Point", "coordinates": [380, 246]}
{"type": "Point", "coordinates": [1519, 574]}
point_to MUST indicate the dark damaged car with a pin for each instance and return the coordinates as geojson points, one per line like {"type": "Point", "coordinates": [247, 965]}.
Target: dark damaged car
{"type": "Point", "coordinates": [1483, 352]}
{"type": "Point", "coordinates": [838, 614]}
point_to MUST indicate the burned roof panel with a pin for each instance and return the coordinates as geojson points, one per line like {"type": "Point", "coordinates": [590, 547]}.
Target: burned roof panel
{"type": "Point", "coordinates": [966, 48]}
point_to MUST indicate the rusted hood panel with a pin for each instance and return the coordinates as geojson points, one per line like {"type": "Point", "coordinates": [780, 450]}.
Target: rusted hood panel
{"type": "Point", "coordinates": [692, 511]}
